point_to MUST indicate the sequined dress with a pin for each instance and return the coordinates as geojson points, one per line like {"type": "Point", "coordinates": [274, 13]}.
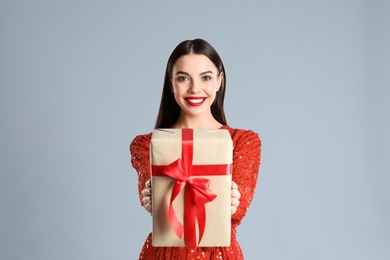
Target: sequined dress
{"type": "Point", "coordinates": [246, 163]}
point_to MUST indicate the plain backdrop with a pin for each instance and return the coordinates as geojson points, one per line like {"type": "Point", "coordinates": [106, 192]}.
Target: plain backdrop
{"type": "Point", "coordinates": [80, 79]}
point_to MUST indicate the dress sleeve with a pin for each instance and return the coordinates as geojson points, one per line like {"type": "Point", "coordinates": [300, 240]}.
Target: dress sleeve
{"type": "Point", "coordinates": [246, 165]}
{"type": "Point", "coordinates": [140, 160]}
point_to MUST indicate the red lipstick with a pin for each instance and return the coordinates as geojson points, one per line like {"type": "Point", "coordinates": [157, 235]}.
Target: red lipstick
{"type": "Point", "coordinates": [195, 101]}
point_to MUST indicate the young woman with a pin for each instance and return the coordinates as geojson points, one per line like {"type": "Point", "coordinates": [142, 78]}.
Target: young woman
{"type": "Point", "coordinates": [193, 97]}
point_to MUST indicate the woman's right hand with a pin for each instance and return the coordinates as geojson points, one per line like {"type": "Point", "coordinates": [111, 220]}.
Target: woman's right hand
{"type": "Point", "coordinates": [147, 196]}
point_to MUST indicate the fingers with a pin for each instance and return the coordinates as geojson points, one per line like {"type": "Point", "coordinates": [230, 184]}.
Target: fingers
{"type": "Point", "coordinates": [148, 183]}
{"type": "Point", "coordinates": [236, 194]}
{"type": "Point", "coordinates": [234, 210]}
{"type": "Point", "coordinates": [235, 202]}
{"type": "Point", "coordinates": [147, 196]}
{"type": "Point", "coordinates": [234, 205]}
{"type": "Point", "coordinates": [148, 207]}
{"type": "Point", "coordinates": [146, 192]}
{"type": "Point", "coordinates": [147, 202]}
{"type": "Point", "coordinates": [235, 197]}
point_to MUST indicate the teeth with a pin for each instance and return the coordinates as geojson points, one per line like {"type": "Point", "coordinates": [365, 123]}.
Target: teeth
{"type": "Point", "coordinates": [195, 100]}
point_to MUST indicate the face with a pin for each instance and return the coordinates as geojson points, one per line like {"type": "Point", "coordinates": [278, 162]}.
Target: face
{"type": "Point", "coordinates": [195, 82]}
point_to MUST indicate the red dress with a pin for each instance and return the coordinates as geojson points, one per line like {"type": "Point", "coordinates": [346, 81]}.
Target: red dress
{"type": "Point", "coordinates": [246, 163]}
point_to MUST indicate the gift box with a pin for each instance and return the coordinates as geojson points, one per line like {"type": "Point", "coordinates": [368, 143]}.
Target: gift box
{"type": "Point", "coordinates": [191, 187]}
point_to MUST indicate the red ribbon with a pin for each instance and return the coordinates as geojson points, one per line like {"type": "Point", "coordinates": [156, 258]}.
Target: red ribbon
{"type": "Point", "coordinates": [197, 192]}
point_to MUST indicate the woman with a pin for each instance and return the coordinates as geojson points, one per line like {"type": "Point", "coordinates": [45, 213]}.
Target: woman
{"type": "Point", "coordinates": [193, 97]}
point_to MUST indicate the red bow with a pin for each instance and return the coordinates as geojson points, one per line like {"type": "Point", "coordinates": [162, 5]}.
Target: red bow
{"type": "Point", "coordinates": [197, 194]}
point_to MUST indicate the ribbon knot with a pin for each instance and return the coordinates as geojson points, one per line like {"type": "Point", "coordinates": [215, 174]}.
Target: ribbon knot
{"type": "Point", "coordinates": [189, 181]}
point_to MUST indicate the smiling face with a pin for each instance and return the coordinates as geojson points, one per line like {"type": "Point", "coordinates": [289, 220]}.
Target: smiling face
{"type": "Point", "coordinates": [195, 82]}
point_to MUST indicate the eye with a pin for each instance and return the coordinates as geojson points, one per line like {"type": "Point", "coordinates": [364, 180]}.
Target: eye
{"type": "Point", "coordinates": [206, 78]}
{"type": "Point", "coordinates": [182, 78]}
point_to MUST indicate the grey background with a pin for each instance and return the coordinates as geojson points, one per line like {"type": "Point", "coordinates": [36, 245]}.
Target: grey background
{"type": "Point", "coordinates": [80, 79]}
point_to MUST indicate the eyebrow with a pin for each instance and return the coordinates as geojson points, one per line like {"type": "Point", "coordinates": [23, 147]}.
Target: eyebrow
{"type": "Point", "coordinates": [185, 73]}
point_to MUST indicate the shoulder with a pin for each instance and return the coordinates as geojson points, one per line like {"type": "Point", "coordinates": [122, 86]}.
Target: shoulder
{"type": "Point", "coordinates": [243, 135]}
{"type": "Point", "coordinates": [140, 141]}
{"type": "Point", "coordinates": [142, 137]}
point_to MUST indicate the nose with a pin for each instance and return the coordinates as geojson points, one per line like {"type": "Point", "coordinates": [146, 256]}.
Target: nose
{"type": "Point", "coordinates": [195, 87]}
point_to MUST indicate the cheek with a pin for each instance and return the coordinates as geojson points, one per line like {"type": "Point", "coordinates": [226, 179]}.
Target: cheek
{"type": "Point", "coordinates": [174, 88]}
{"type": "Point", "coordinates": [212, 91]}
{"type": "Point", "coordinates": [177, 93]}
{"type": "Point", "coordinates": [212, 87]}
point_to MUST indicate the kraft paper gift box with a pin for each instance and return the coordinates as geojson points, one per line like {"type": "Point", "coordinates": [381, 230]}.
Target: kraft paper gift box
{"type": "Point", "coordinates": [191, 187]}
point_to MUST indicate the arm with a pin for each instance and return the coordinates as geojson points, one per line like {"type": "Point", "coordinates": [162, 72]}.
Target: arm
{"type": "Point", "coordinates": [140, 160]}
{"type": "Point", "coordinates": [246, 164]}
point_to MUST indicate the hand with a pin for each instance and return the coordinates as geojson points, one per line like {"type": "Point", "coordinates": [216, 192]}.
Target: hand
{"type": "Point", "coordinates": [147, 196]}
{"type": "Point", "coordinates": [235, 197]}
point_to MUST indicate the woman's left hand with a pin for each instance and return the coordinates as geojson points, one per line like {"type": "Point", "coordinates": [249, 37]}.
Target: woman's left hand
{"type": "Point", "coordinates": [235, 197]}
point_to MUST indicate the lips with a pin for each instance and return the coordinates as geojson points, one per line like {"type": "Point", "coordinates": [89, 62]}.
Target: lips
{"type": "Point", "coordinates": [195, 101]}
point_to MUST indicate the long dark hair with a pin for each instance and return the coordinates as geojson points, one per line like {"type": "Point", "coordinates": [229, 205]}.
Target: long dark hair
{"type": "Point", "coordinates": [169, 110]}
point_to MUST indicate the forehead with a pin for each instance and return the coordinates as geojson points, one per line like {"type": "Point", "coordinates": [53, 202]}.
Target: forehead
{"type": "Point", "coordinates": [194, 63]}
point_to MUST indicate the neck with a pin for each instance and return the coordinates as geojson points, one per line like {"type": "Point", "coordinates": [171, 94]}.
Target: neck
{"type": "Point", "coordinates": [197, 123]}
